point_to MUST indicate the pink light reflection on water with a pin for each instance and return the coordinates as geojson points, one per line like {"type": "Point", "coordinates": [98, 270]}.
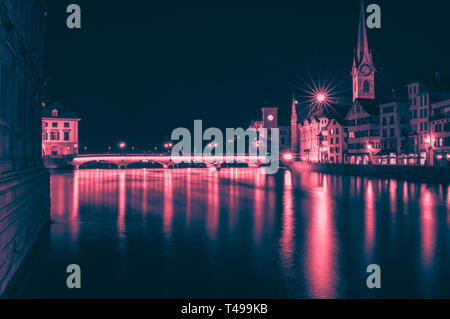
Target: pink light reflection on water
{"type": "Point", "coordinates": [427, 227]}
{"type": "Point", "coordinates": [168, 203]}
{"type": "Point", "coordinates": [321, 270]}
{"type": "Point", "coordinates": [258, 206]}
{"type": "Point", "coordinates": [287, 241]}
{"type": "Point", "coordinates": [122, 203]}
{"type": "Point", "coordinates": [369, 220]}
{"type": "Point", "coordinates": [212, 218]}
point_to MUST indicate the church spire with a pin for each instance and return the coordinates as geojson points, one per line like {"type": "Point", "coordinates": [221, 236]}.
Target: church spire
{"type": "Point", "coordinates": [363, 72]}
{"type": "Point", "coordinates": [363, 45]}
{"type": "Point", "coordinates": [294, 127]}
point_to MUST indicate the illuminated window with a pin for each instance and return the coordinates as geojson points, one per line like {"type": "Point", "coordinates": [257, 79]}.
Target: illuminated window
{"type": "Point", "coordinates": [55, 113]}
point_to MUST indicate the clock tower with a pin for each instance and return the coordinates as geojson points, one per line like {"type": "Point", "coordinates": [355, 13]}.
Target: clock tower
{"type": "Point", "coordinates": [363, 72]}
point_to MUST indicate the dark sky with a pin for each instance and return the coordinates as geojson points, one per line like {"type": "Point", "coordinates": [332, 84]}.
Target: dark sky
{"type": "Point", "coordinates": [139, 69]}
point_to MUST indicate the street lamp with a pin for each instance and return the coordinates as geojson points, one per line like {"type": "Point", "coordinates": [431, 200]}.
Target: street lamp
{"type": "Point", "coordinates": [369, 148]}
{"type": "Point", "coordinates": [428, 142]}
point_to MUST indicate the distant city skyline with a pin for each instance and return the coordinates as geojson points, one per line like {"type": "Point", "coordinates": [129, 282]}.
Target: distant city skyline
{"type": "Point", "coordinates": [135, 73]}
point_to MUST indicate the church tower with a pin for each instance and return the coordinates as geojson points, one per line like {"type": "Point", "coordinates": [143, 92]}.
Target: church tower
{"type": "Point", "coordinates": [363, 72]}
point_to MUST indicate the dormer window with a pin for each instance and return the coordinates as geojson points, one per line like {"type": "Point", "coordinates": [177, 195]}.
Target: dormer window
{"type": "Point", "coordinates": [55, 113]}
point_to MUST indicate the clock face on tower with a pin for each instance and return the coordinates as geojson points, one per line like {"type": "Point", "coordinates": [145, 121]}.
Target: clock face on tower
{"type": "Point", "coordinates": [365, 70]}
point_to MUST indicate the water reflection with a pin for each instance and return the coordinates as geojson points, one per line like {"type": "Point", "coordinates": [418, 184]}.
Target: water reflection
{"type": "Point", "coordinates": [240, 233]}
{"type": "Point", "coordinates": [320, 241]}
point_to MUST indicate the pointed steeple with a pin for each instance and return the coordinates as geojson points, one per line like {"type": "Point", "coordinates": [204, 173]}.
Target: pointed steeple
{"type": "Point", "coordinates": [363, 46]}
{"type": "Point", "coordinates": [294, 126]}
{"type": "Point", "coordinates": [363, 71]}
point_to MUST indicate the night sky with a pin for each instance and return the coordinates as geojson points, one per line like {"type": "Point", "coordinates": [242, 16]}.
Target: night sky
{"type": "Point", "coordinates": [139, 69]}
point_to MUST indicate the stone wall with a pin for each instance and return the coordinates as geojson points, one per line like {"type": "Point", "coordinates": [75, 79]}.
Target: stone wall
{"type": "Point", "coordinates": [24, 210]}
{"type": "Point", "coordinates": [24, 182]}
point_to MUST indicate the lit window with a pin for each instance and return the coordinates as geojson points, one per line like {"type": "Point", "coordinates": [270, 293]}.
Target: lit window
{"type": "Point", "coordinates": [55, 113]}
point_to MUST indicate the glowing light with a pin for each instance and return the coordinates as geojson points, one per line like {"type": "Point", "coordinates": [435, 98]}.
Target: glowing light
{"type": "Point", "coordinates": [428, 140]}
{"type": "Point", "coordinates": [270, 118]}
{"type": "Point", "coordinates": [319, 94]}
{"type": "Point", "coordinates": [369, 147]}
{"type": "Point", "coordinates": [288, 157]}
{"type": "Point", "coordinates": [122, 145]}
{"type": "Point", "coordinates": [321, 97]}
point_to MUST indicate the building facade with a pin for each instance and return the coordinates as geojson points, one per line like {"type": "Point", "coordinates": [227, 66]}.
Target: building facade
{"type": "Point", "coordinates": [24, 183]}
{"type": "Point", "coordinates": [422, 95]}
{"type": "Point", "coordinates": [394, 129]}
{"type": "Point", "coordinates": [337, 141]}
{"type": "Point", "coordinates": [59, 132]}
{"type": "Point", "coordinates": [440, 133]}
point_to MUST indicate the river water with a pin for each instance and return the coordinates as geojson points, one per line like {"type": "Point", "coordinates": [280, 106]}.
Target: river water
{"type": "Point", "coordinates": [238, 233]}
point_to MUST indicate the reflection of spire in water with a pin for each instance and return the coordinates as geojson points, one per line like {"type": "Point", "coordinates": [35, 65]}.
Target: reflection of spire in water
{"type": "Point", "coordinates": [369, 222]}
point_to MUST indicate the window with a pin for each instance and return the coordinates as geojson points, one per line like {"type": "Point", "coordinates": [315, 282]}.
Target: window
{"type": "Point", "coordinates": [392, 121]}
{"type": "Point", "coordinates": [426, 127]}
{"type": "Point", "coordinates": [447, 127]}
{"type": "Point", "coordinates": [392, 132]}
{"type": "Point", "coordinates": [46, 124]}
{"type": "Point", "coordinates": [366, 87]}
{"type": "Point", "coordinates": [421, 126]}
{"type": "Point", "coordinates": [384, 133]}
{"type": "Point", "coordinates": [415, 114]}
{"type": "Point", "coordinates": [337, 131]}
{"type": "Point", "coordinates": [425, 113]}
{"type": "Point", "coordinates": [337, 140]}
{"type": "Point", "coordinates": [331, 141]}
{"type": "Point", "coordinates": [421, 113]}
{"type": "Point", "coordinates": [54, 136]}
{"type": "Point", "coordinates": [55, 113]}
{"type": "Point", "coordinates": [352, 134]}
{"type": "Point", "coordinates": [384, 121]}
{"type": "Point", "coordinates": [66, 137]}
{"type": "Point", "coordinates": [66, 124]}
{"type": "Point", "coordinates": [55, 124]}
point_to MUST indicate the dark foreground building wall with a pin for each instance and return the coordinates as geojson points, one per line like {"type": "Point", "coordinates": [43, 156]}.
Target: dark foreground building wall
{"type": "Point", "coordinates": [24, 183]}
